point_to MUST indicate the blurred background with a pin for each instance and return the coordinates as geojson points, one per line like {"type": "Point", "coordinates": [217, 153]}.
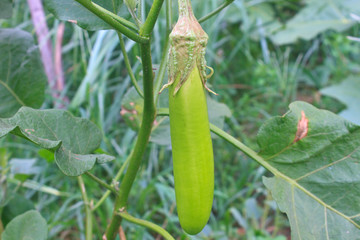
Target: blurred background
{"type": "Point", "coordinates": [265, 54]}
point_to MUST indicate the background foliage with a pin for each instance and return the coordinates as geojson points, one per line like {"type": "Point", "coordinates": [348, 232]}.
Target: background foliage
{"type": "Point", "coordinates": [266, 54]}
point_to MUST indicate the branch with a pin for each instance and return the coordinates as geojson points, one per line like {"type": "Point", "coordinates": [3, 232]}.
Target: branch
{"type": "Point", "coordinates": [146, 123]}
{"type": "Point", "coordinates": [163, 63]}
{"type": "Point", "coordinates": [116, 178]}
{"type": "Point", "coordinates": [146, 224]}
{"type": "Point", "coordinates": [118, 23]}
{"type": "Point", "coordinates": [236, 143]}
{"type": "Point", "coordinates": [88, 216]}
{"type": "Point", "coordinates": [149, 24]}
{"type": "Point", "coordinates": [101, 182]}
{"type": "Point", "coordinates": [216, 11]}
{"type": "Point", "coordinates": [128, 66]}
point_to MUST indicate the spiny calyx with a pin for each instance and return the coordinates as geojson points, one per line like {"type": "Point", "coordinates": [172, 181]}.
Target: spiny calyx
{"type": "Point", "coordinates": [187, 49]}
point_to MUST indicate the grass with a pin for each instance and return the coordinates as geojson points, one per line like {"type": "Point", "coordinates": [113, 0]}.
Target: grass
{"type": "Point", "coordinates": [254, 86]}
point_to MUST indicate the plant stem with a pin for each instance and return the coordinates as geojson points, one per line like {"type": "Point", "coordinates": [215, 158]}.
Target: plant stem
{"type": "Point", "coordinates": [161, 73]}
{"type": "Point", "coordinates": [146, 224]}
{"type": "Point", "coordinates": [224, 135]}
{"type": "Point", "coordinates": [149, 24]}
{"type": "Point", "coordinates": [141, 142]}
{"type": "Point", "coordinates": [118, 23]}
{"type": "Point", "coordinates": [101, 182]}
{"type": "Point", "coordinates": [168, 16]}
{"type": "Point", "coordinates": [88, 214]}
{"type": "Point", "coordinates": [216, 11]}
{"type": "Point", "coordinates": [146, 123]}
{"type": "Point", "coordinates": [128, 66]}
{"type": "Point", "coordinates": [117, 177]}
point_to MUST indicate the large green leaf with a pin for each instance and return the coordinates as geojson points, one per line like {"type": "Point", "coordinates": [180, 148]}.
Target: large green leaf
{"type": "Point", "coordinates": [70, 10]}
{"type": "Point", "coordinates": [72, 139]}
{"type": "Point", "coordinates": [22, 78]}
{"type": "Point", "coordinates": [28, 226]}
{"type": "Point", "coordinates": [318, 16]}
{"type": "Point", "coordinates": [315, 157]}
{"type": "Point", "coordinates": [348, 92]}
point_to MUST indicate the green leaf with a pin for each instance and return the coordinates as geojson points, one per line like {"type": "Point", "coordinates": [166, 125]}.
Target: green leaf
{"type": "Point", "coordinates": [5, 9]}
{"type": "Point", "coordinates": [347, 92]}
{"type": "Point", "coordinates": [28, 226]}
{"type": "Point", "coordinates": [17, 205]}
{"type": "Point", "coordinates": [22, 78]}
{"type": "Point", "coordinates": [72, 11]}
{"type": "Point", "coordinates": [318, 16]}
{"type": "Point", "coordinates": [315, 157]}
{"type": "Point", "coordinates": [71, 138]}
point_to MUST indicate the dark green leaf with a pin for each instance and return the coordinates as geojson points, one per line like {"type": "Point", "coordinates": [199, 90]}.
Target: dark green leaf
{"type": "Point", "coordinates": [315, 156]}
{"type": "Point", "coordinates": [17, 205]}
{"type": "Point", "coordinates": [71, 138]}
{"type": "Point", "coordinates": [28, 226]}
{"type": "Point", "coordinates": [70, 10]}
{"type": "Point", "coordinates": [22, 78]}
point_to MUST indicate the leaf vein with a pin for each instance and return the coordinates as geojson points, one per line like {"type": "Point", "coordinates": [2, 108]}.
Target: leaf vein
{"type": "Point", "coordinates": [12, 93]}
{"type": "Point", "coordinates": [328, 165]}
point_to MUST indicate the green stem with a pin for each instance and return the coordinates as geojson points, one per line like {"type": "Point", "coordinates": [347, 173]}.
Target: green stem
{"type": "Point", "coordinates": [216, 11]}
{"type": "Point", "coordinates": [128, 66]}
{"type": "Point", "coordinates": [149, 24]}
{"type": "Point", "coordinates": [161, 73]}
{"type": "Point", "coordinates": [168, 16]}
{"type": "Point", "coordinates": [117, 177]}
{"type": "Point", "coordinates": [141, 142]}
{"type": "Point", "coordinates": [115, 21]}
{"type": "Point", "coordinates": [236, 143]}
{"type": "Point", "coordinates": [101, 182]}
{"type": "Point", "coordinates": [146, 123]}
{"type": "Point", "coordinates": [88, 214]}
{"type": "Point", "coordinates": [146, 224]}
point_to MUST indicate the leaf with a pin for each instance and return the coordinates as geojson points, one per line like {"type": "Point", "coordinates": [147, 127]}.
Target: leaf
{"type": "Point", "coordinates": [72, 11]}
{"type": "Point", "coordinates": [347, 92]}
{"type": "Point", "coordinates": [71, 138]}
{"type": "Point", "coordinates": [22, 78]}
{"type": "Point", "coordinates": [28, 226]}
{"type": "Point", "coordinates": [317, 181]}
{"type": "Point", "coordinates": [5, 9]}
{"type": "Point", "coordinates": [318, 16]}
{"type": "Point", "coordinates": [18, 205]}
